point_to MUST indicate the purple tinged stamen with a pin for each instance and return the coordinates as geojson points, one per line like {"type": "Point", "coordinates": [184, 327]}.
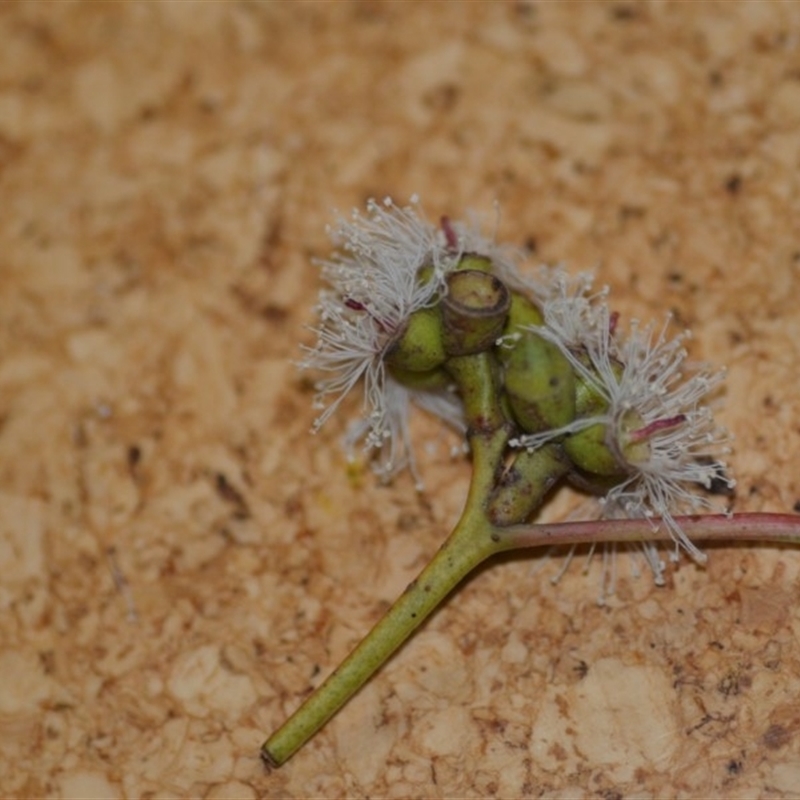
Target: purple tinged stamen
{"type": "Point", "coordinates": [354, 304]}
{"type": "Point", "coordinates": [655, 427]}
{"type": "Point", "coordinates": [613, 319]}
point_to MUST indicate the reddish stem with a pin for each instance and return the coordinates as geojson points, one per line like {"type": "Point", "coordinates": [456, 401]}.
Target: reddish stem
{"type": "Point", "coordinates": [783, 528]}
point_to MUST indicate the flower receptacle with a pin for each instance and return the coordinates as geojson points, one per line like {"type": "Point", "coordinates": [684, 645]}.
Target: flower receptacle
{"type": "Point", "coordinates": [474, 311]}
{"type": "Point", "coordinates": [420, 348]}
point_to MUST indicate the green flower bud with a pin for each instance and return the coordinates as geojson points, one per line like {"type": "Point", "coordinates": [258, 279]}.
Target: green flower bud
{"type": "Point", "coordinates": [589, 400]}
{"type": "Point", "coordinates": [476, 262]}
{"type": "Point", "coordinates": [474, 311]}
{"type": "Point", "coordinates": [522, 314]}
{"type": "Point", "coordinates": [539, 382]}
{"type": "Point", "coordinates": [420, 348]}
{"type": "Point", "coordinates": [425, 275]}
{"type": "Point", "coordinates": [524, 484]}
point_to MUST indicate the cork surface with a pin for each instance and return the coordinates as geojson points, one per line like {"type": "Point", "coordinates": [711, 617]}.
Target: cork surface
{"type": "Point", "coordinates": [181, 560]}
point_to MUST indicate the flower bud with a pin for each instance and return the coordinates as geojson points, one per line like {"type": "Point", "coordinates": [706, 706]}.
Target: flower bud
{"type": "Point", "coordinates": [539, 382]}
{"type": "Point", "coordinates": [420, 348]}
{"type": "Point", "coordinates": [590, 400]}
{"type": "Point", "coordinates": [525, 482]}
{"type": "Point", "coordinates": [433, 380]}
{"type": "Point", "coordinates": [522, 314]}
{"type": "Point", "coordinates": [476, 262]}
{"type": "Point", "coordinates": [474, 311]}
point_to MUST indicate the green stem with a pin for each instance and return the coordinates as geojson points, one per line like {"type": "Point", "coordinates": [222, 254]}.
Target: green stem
{"type": "Point", "coordinates": [471, 542]}
{"type": "Point", "coordinates": [477, 380]}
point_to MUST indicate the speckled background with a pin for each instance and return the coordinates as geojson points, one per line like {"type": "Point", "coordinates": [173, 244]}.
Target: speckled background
{"type": "Point", "coordinates": [180, 560]}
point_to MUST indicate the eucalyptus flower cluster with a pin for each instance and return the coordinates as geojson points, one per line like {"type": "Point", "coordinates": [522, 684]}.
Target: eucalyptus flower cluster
{"type": "Point", "coordinates": [612, 412]}
{"type": "Point", "coordinates": [546, 386]}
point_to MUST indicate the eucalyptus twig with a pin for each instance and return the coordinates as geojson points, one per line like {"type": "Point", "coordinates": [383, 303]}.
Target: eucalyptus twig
{"type": "Point", "coordinates": [546, 388]}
